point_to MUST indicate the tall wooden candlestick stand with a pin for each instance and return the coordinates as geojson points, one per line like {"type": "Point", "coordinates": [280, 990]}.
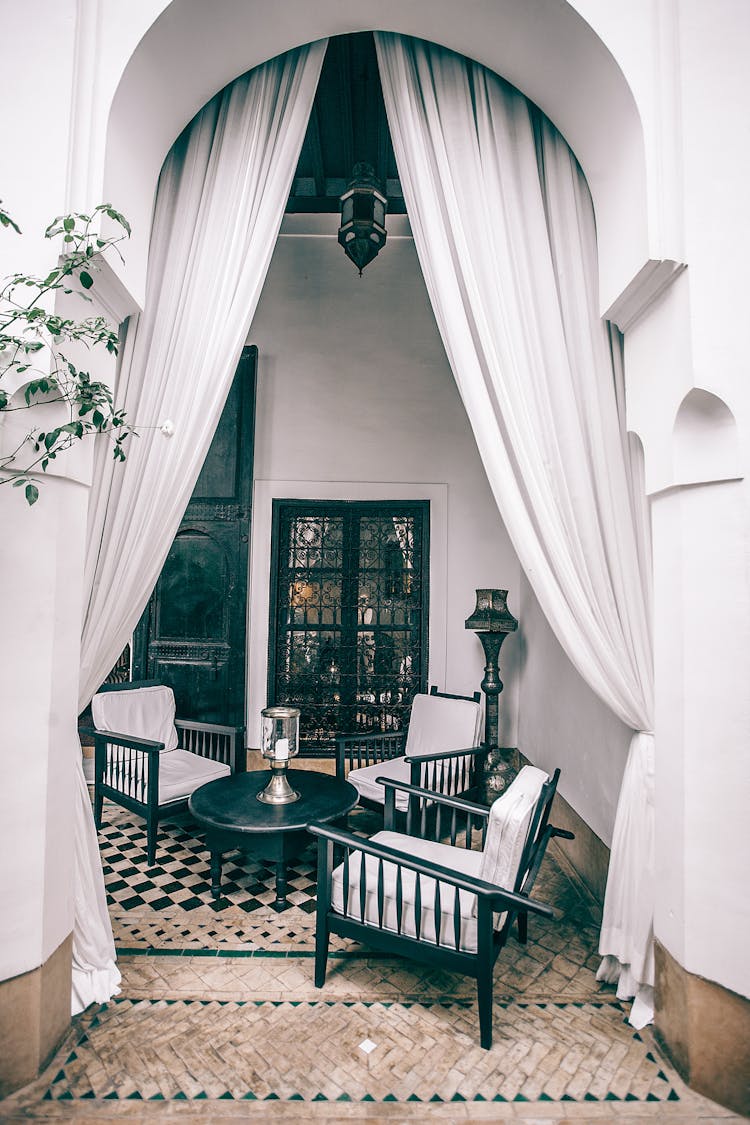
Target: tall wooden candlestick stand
{"type": "Point", "coordinates": [492, 621]}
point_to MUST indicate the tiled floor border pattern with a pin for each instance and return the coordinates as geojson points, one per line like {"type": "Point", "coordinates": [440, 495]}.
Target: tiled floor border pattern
{"type": "Point", "coordinates": [91, 1071]}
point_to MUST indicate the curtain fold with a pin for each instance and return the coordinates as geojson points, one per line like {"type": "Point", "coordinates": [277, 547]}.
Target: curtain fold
{"type": "Point", "coordinates": [220, 201]}
{"type": "Point", "coordinates": [504, 230]}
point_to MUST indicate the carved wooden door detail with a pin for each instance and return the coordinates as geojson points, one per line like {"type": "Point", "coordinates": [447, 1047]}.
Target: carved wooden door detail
{"type": "Point", "coordinates": [193, 632]}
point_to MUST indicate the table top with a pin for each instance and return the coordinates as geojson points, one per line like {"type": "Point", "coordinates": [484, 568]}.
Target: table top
{"type": "Point", "coordinates": [231, 802]}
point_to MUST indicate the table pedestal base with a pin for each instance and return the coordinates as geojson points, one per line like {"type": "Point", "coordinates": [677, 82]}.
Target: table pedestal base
{"type": "Point", "coordinates": [276, 847]}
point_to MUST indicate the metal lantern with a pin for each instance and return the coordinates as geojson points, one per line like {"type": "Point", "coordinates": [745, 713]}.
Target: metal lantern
{"type": "Point", "coordinates": [363, 207]}
{"type": "Point", "coordinates": [279, 743]}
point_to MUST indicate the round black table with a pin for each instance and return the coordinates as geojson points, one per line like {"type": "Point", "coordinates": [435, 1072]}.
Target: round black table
{"type": "Point", "coordinates": [234, 818]}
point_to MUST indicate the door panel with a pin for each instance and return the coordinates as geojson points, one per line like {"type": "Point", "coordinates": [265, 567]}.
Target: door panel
{"type": "Point", "coordinates": [193, 632]}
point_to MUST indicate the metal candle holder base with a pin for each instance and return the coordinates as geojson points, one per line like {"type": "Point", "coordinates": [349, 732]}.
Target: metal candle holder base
{"type": "Point", "coordinates": [278, 791]}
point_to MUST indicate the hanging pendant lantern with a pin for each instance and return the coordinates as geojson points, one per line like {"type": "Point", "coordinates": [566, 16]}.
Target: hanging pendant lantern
{"type": "Point", "coordinates": [363, 207]}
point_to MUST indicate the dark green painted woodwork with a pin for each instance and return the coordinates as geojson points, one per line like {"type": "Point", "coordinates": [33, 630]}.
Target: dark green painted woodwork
{"type": "Point", "coordinates": [192, 634]}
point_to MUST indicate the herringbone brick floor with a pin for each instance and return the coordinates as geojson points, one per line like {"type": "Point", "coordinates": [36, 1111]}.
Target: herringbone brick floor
{"type": "Point", "coordinates": [219, 1018]}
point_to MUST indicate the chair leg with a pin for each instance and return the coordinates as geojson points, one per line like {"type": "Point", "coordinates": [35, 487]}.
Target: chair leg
{"type": "Point", "coordinates": [98, 806]}
{"type": "Point", "coordinates": [484, 996]}
{"type": "Point", "coordinates": [523, 928]}
{"type": "Point", "coordinates": [151, 829]}
{"type": "Point", "coordinates": [321, 953]}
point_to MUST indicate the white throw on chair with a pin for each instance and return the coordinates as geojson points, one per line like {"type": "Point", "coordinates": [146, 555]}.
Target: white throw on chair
{"type": "Point", "coordinates": [441, 751]}
{"type": "Point", "coordinates": [441, 903]}
{"type": "Point", "coordinates": [148, 761]}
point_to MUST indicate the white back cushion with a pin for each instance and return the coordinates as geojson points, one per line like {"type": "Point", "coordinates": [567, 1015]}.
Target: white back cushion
{"type": "Point", "coordinates": [510, 816]}
{"type": "Point", "coordinates": [442, 724]}
{"type": "Point", "coordinates": [146, 712]}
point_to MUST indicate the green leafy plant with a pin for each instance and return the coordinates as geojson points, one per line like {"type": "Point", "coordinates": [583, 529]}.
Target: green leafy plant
{"type": "Point", "coordinates": [33, 359]}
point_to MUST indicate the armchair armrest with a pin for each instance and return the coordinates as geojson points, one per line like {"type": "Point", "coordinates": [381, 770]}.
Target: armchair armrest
{"type": "Point", "coordinates": [146, 745]}
{"type": "Point", "coordinates": [462, 813]}
{"type": "Point", "coordinates": [431, 795]}
{"type": "Point", "coordinates": [215, 741]}
{"type": "Point", "coordinates": [367, 749]}
{"type": "Point", "coordinates": [442, 755]}
{"type": "Point", "coordinates": [498, 898]}
{"type": "Point", "coordinates": [127, 765]}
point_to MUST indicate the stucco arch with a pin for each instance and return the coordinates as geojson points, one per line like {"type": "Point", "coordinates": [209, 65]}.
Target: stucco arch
{"type": "Point", "coordinates": [552, 55]}
{"type": "Point", "coordinates": [705, 441]}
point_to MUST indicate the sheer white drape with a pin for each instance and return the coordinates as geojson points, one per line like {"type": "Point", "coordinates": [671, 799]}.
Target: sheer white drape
{"type": "Point", "coordinates": [504, 230]}
{"type": "Point", "coordinates": [219, 207]}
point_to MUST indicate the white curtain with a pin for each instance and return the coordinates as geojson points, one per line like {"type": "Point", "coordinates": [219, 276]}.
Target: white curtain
{"type": "Point", "coordinates": [221, 198]}
{"type": "Point", "coordinates": [504, 230]}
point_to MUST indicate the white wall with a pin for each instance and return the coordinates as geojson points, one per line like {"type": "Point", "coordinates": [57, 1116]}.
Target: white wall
{"type": "Point", "coordinates": [355, 392]}
{"type": "Point", "coordinates": [41, 569]}
{"type": "Point", "coordinates": [692, 336]}
{"type": "Point", "coordinates": [561, 722]}
{"type": "Point", "coordinates": [40, 548]}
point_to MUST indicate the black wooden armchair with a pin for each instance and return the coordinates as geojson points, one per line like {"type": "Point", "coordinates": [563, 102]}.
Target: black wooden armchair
{"type": "Point", "coordinates": [440, 903]}
{"type": "Point", "coordinates": [149, 762]}
{"type": "Point", "coordinates": [440, 750]}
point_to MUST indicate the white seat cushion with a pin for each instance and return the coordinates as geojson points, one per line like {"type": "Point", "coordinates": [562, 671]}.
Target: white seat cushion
{"type": "Point", "coordinates": [146, 712]}
{"type": "Point", "coordinates": [455, 859]}
{"type": "Point", "coordinates": [180, 773]}
{"type": "Point", "coordinates": [363, 780]}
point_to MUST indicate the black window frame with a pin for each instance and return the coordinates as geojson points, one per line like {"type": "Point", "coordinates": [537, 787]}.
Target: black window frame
{"type": "Point", "coordinates": [420, 511]}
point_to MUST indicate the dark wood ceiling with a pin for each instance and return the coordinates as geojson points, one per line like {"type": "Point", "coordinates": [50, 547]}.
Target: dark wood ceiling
{"type": "Point", "coordinates": [347, 126]}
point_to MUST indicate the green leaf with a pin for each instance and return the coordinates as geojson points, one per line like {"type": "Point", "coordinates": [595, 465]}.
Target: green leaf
{"type": "Point", "coordinates": [6, 221]}
{"type": "Point", "coordinates": [69, 222]}
{"type": "Point", "coordinates": [32, 494]}
{"type": "Point", "coordinates": [86, 279]}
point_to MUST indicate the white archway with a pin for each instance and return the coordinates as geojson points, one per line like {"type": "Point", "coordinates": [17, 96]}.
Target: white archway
{"type": "Point", "coordinates": [192, 50]}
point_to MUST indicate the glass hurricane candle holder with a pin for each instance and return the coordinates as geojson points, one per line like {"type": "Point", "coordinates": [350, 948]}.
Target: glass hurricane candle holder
{"type": "Point", "coordinates": [279, 743]}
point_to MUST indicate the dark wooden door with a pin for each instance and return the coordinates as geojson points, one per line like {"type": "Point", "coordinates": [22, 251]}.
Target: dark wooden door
{"type": "Point", "coordinates": [192, 634]}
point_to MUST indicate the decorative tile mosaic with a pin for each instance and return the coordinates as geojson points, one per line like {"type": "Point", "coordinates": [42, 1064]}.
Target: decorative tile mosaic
{"type": "Point", "coordinates": [425, 1052]}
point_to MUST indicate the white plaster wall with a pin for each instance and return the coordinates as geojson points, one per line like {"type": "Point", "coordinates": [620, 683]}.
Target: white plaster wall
{"type": "Point", "coordinates": [41, 572]}
{"type": "Point", "coordinates": [692, 336]}
{"type": "Point", "coordinates": [561, 722]}
{"type": "Point", "coordinates": [715, 47]}
{"type": "Point", "coordinates": [40, 548]}
{"type": "Point", "coordinates": [38, 79]}
{"type": "Point", "coordinates": [354, 387]}
{"type": "Point", "coordinates": [702, 720]}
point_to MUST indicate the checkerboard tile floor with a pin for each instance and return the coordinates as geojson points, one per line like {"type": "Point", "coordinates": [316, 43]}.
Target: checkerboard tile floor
{"type": "Point", "coordinates": [180, 877]}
